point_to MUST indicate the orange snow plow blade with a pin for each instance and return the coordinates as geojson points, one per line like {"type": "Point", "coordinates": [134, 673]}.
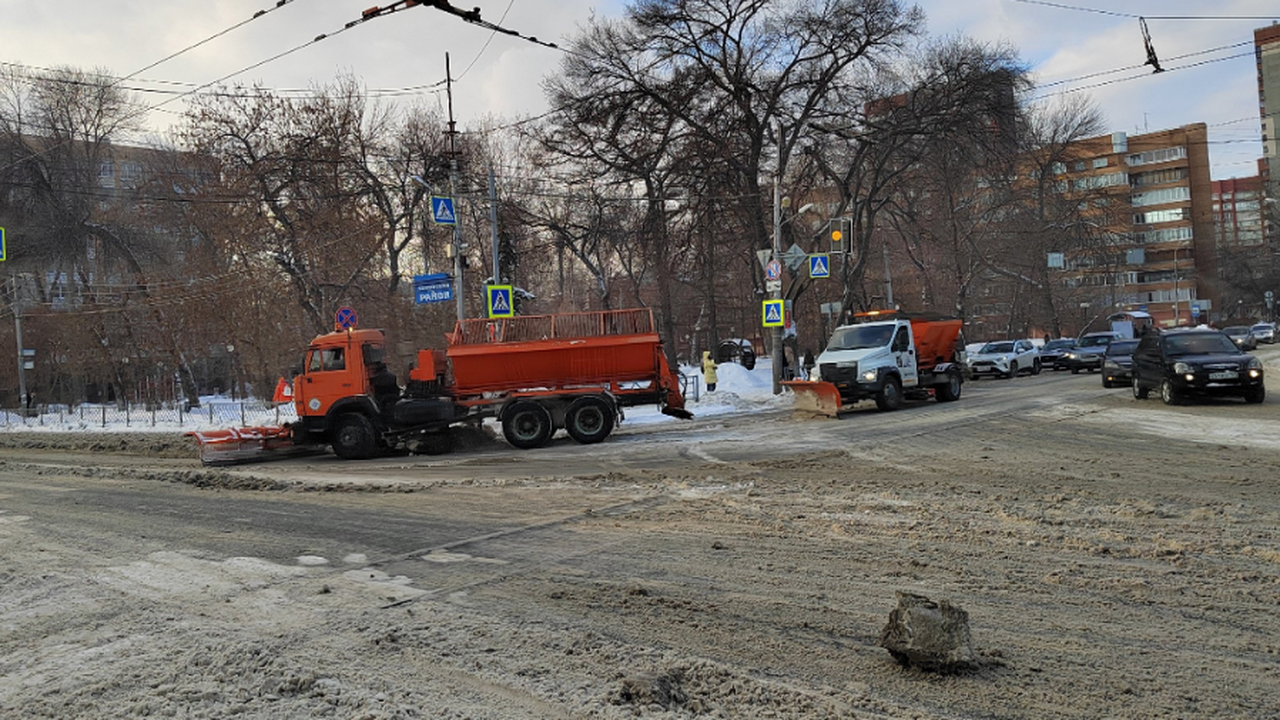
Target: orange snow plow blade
{"type": "Point", "coordinates": [815, 396]}
{"type": "Point", "coordinates": [249, 444]}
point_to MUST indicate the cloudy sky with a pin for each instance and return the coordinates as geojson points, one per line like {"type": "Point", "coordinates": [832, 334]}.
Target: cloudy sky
{"type": "Point", "coordinates": [1211, 74]}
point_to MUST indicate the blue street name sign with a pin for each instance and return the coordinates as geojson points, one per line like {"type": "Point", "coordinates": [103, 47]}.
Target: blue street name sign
{"type": "Point", "coordinates": [433, 288]}
{"type": "Point", "coordinates": [442, 210]}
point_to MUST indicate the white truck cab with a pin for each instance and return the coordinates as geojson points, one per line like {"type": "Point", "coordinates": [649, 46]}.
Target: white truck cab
{"type": "Point", "coordinates": [887, 359]}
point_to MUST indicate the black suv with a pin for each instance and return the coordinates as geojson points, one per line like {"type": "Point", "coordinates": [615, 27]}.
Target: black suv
{"type": "Point", "coordinates": [1195, 362]}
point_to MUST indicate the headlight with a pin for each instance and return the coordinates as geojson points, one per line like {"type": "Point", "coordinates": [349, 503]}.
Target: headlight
{"type": "Point", "coordinates": [1254, 364]}
{"type": "Point", "coordinates": [1182, 368]}
{"type": "Point", "coordinates": [869, 376]}
{"type": "Point", "coordinates": [1069, 356]}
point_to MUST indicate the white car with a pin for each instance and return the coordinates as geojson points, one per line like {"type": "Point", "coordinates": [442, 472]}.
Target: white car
{"type": "Point", "coordinates": [1264, 332]}
{"type": "Point", "coordinates": [1005, 358]}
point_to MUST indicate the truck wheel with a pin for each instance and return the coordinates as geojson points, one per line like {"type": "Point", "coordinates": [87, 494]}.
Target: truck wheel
{"type": "Point", "coordinates": [1139, 392]}
{"type": "Point", "coordinates": [890, 395]}
{"type": "Point", "coordinates": [950, 390]}
{"type": "Point", "coordinates": [589, 420]}
{"type": "Point", "coordinates": [527, 425]}
{"type": "Point", "coordinates": [353, 437]}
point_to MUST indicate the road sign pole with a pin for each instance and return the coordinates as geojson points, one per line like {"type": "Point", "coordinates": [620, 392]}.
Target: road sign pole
{"type": "Point", "coordinates": [776, 332]}
{"type": "Point", "coordinates": [22, 361]}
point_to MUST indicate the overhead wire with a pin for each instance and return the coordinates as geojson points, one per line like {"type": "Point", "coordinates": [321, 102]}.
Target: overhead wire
{"type": "Point", "coordinates": [1115, 13]}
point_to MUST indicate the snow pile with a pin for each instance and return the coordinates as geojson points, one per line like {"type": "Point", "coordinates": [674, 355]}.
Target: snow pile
{"type": "Point", "coordinates": [737, 390]}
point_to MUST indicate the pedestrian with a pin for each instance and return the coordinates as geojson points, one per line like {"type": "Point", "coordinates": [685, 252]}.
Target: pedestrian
{"type": "Point", "coordinates": [808, 364]}
{"type": "Point", "coordinates": [709, 370]}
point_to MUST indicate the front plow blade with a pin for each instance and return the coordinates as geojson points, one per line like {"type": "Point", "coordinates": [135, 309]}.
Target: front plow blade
{"type": "Point", "coordinates": [249, 444]}
{"type": "Point", "coordinates": [815, 396]}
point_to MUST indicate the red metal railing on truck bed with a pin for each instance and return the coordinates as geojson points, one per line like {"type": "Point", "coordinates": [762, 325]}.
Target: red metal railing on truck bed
{"type": "Point", "coordinates": [614, 350]}
{"type": "Point", "coordinates": [568, 326]}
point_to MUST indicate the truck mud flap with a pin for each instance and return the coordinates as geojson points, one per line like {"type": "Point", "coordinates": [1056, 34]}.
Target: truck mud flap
{"type": "Point", "coordinates": [816, 397]}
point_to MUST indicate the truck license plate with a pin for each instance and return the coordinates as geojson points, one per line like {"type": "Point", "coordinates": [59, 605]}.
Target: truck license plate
{"type": "Point", "coordinates": [1224, 375]}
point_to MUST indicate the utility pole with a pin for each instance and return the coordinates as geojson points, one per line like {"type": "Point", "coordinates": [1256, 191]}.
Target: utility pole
{"type": "Point", "coordinates": [776, 332]}
{"type": "Point", "coordinates": [888, 280]}
{"type": "Point", "coordinates": [493, 225]}
{"type": "Point", "coordinates": [452, 132]}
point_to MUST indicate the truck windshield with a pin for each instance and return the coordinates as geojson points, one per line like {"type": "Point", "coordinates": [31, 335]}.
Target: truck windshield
{"type": "Point", "coordinates": [858, 337]}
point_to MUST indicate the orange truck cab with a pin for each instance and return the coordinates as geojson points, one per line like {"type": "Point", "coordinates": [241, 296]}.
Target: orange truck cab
{"type": "Point", "coordinates": [347, 398]}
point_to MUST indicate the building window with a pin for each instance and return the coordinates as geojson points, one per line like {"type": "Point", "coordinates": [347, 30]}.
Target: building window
{"type": "Point", "coordinates": [1160, 216]}
{"type": "Point", "coordinates": [1158, 156]}
{"type": "Point", "coordinates": [1160, 197]}
{"type": "Point", "coordinates": [106, 169]}
{"type": "Point", "coordinates": [1099, 163]}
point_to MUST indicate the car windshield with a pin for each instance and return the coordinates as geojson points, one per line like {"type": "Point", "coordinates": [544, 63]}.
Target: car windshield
{"type": "Point", "coordinates": [1059, 344]}
{"type": "Point", "coordinates": [1236, 330]}
{"type": "Point", "coordinates": [997, 347]}
{"type": "Point", "coordinates": [859, 337]}
{"type": "Point", "coordinates": [1200, 344]}
{"type": "Point", "coordinates": [1094, 340]}
{"type": "Point", "coordinates": [1263, 327]}
{"type": "Point", "coordinates": [1122, 347]}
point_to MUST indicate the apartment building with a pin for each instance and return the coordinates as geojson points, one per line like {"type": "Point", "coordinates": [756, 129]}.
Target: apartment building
{"type": "Point", "coordinates": [1266, 48]}
{"type": "Point", "coordinates": [1156, 192]}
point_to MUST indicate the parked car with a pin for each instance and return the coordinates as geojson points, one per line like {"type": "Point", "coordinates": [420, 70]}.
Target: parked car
{"type": "Point", "coordinates": [1203, 362]}
{"type": "Point", "coordinates": [1117, 363]}
{"type": "Point", "coordinates": [1264, 332]}
{"type": "Point", "coordinates": [1053, 353]}
{"type": "Point", "coordinates": [1242, 336]}
{"type": "Point", "coordinates": [737, 350]}
{"type": "Point", "coordinates": [1087, 352]}
{"type": "Point", "coordinates": [1005, 358]}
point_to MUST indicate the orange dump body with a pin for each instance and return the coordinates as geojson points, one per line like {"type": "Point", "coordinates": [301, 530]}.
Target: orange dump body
{"type": "Point", "coordinates": [614, 349]}
{"type": "Point", "coordinates": [935, 341]}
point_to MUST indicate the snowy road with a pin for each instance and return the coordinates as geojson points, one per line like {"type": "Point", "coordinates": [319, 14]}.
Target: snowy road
{"type": "Point", "coordinates": [1118, 558]}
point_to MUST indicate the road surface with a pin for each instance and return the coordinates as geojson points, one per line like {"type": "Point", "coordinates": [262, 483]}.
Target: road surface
{"type": "Point", "coordinates": [1118, 558]}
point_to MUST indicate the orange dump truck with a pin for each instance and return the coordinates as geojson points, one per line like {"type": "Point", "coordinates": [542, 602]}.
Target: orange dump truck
{"type": "Point", "coordinates": [534, 374]}
{"type": "Point", "coordinates": [885, 357]}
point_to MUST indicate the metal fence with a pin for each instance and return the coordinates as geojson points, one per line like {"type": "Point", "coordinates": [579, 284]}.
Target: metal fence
{"type": "Point", "coordinates": [213, 414]}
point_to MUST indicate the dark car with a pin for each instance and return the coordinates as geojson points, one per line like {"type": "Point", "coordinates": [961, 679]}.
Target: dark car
{"type": "Point", "coordinates": [1087, 352]}
{"type": "Point", "coordinates": [737, 350]}
{"type": "Point", "coordinates": [1242, 336]}
{"type": "Point", "coordinates": [1053, 353]}
{"type": "Point", "coordinates": [1184, 363]}
{"type": "Point", "coordinates": [1117, 363]}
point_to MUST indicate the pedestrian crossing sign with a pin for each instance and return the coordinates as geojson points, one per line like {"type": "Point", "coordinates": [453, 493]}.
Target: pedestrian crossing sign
{"type": "Point", "coordinates": [819, 265]}
{"type": "Point", "coordinates": [442, 210]}
{"type": "Point", "coordinates": [500, 305]}
{"type": "Point", "coordinates": [773, 313]}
